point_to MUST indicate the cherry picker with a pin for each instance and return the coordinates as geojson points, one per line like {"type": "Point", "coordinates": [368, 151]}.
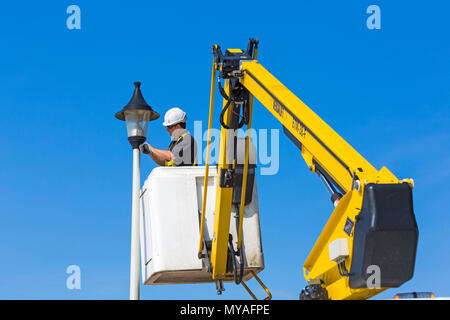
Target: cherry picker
{"type": "Point", "coordinates": [372, 227]}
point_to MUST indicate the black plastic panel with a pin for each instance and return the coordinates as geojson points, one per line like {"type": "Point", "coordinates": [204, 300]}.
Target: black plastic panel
{"type": "Point", "coordinates": [237, 191]}
{"type": "Point", "coordinates": [385, 235]}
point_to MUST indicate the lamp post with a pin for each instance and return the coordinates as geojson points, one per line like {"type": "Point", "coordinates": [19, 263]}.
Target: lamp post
{"type": "Point", "coordinates": [137, 114]}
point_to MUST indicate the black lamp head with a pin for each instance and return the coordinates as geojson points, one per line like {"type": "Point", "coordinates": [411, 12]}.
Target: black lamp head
{"type": "Point", "coordinates": [137, 102]}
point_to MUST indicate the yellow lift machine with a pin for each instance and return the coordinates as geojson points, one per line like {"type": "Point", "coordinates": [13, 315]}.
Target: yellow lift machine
{"type": "Point", "coordinates": [372, 227]}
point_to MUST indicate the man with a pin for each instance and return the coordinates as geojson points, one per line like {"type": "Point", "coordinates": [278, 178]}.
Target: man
{"type": "Point", "coordinates": [183, 148]}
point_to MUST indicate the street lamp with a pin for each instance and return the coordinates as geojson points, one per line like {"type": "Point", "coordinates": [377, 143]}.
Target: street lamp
{"type": "Point", "coordinates": [137, 114]}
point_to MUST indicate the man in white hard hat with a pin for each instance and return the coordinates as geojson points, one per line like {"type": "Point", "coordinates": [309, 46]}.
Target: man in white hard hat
{"type": "Point", "coordinates": [183, 148]}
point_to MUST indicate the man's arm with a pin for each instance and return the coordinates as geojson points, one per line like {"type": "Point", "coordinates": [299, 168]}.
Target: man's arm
{"type": "Point", "coordinates": [161, 156]}
{"type": "Point", "coordinates": [158, 155]}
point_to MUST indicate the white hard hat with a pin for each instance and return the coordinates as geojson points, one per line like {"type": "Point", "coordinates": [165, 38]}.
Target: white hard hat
{"type": "Point", "coordinates": [174, 116]}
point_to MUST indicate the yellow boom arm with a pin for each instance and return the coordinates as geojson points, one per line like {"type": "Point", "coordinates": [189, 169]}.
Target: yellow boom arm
{"type": "Point", "coordinates": [372, 228]}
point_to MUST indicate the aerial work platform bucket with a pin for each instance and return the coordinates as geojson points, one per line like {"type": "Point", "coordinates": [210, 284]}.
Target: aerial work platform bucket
{"type": "Point", "coordinates": [171, 201]}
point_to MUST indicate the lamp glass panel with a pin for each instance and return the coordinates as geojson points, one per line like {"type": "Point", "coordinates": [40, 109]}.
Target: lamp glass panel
{"type": "Point", "coordinates": [137, 122]}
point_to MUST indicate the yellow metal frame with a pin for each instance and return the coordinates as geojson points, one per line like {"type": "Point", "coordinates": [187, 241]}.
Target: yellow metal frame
{"type": "Point", "coordinates": [269, 295]}
{"type": "Point", "coordinates": [222, 212]}
{"type": "Point", "coordinates": [321, 147]}
{"type": "Point", "coordinates": [208, 146]}
{"type": "Point", "coordinates": [244, 178]}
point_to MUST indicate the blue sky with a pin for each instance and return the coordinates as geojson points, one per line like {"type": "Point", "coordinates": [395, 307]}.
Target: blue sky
{"type": "Point", "coordinates": [66, 163]}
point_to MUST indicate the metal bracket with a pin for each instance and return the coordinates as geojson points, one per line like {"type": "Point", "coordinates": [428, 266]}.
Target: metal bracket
{"type": "Point", "coordinates": [206, 256]}
{"type": "Point", "coordinates": [355, 182]}
{"type": "Point", "coordinates": [237, 73]}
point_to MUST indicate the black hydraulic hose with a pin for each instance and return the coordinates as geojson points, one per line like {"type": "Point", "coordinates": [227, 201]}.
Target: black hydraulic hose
{"type": "Point", "coordinates": [241, 274]}
{"type": "Point", "coordinates": [241, 271]}
{"type": "Point", "coordinates": [237, 279]}
{"type": "Point", "coordinates": [245, 110]}
{"type": "Point", "coordinates": [222, 91]}
{"type": "Point", "coordinates": [223, 113]}
{"type": "Point", "coordinates": [239, 252]}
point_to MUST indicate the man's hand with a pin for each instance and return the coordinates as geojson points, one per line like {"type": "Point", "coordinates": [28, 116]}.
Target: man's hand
{"type": "Point", "coordinates": [146, 148]}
